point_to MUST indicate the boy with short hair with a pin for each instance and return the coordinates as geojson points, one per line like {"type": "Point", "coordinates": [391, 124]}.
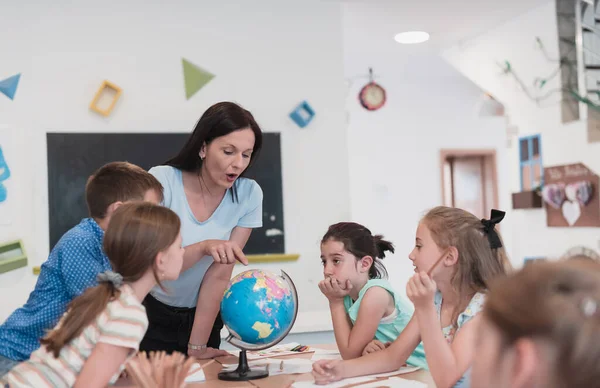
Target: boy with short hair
{"type": "Point", "coordinates": [75, 260]}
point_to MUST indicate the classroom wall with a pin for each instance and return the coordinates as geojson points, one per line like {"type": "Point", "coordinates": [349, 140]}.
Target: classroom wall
{"type": "Point", "coordinates": [478, 60]}
{"type": "Point", "coordinates": [394, 151]}
{"type": "Point", "coordinates": [264, 58]}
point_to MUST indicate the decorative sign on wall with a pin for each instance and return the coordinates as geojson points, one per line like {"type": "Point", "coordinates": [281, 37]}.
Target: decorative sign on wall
{"type": "Point", "coordinates": [8, 87]}
{"type": "Point", "coordinates": [12, 255]}
{"type": "Point", "coordinates": [302, 114]}
{"type": "Point", "coordinates": [570, 195]}
{"type": "Point", "coordinates": [7, 186]}
{"type": "Point", "coordinates": [4, 175]}
{"type": "Point", "coordinates": [105, 99]}
{"type": "Point", "coordinates": [194, 78]}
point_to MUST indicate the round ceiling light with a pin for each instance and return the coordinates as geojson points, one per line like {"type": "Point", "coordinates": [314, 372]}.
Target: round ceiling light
{"type": "Point", "coordinates": [412, 37]}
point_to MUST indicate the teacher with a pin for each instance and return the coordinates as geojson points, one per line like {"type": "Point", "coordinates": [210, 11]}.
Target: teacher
{"type": "Point", "coordinates": [218, 208]}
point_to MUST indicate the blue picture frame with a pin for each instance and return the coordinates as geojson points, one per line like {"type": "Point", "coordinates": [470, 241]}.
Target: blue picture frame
{"type": "Point", "coordinates": [529, 161]}
{"type": "Point", "coordinates": [302, 114]}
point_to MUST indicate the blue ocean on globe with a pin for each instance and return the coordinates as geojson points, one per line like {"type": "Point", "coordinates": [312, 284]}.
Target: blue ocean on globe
{"type": "Point", "coordinates": [258, 307]}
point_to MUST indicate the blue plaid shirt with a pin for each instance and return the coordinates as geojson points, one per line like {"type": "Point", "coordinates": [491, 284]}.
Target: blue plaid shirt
{"type": "Point", "coordinates": [70, 269]}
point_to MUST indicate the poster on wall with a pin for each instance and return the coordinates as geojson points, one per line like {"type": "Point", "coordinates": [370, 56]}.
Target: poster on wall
{"type": "Point", "coordinates": [7, 194]}
{"type": "Point", "coordinates": [570, 194]}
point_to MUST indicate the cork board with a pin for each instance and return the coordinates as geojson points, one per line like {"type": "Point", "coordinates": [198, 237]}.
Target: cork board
{"type": "Point", "coordinates": [570, 196]}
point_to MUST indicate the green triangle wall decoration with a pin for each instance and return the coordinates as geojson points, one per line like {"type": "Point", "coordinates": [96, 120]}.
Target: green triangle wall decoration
{"type": "Point", "coordinates": [194, 77]}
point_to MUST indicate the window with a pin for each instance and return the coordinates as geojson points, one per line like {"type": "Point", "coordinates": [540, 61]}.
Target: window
{"type": "Point", "coordinates": [530, 162]}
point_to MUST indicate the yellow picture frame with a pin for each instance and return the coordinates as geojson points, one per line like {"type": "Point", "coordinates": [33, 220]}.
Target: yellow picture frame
{"type": "Point", "coordinates": [94, 104]}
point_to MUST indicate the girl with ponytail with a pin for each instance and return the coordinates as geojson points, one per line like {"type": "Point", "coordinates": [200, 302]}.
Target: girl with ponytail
{"type": "Point", "coordinates": [456, 257]}
{"type": "Point", "coordinates": [104, 326]}
{"type": "Point", "coordinates": [367, 313]}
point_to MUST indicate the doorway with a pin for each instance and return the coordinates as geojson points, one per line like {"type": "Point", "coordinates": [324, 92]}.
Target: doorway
{"type": "Point", "coordinates": [469, 180]}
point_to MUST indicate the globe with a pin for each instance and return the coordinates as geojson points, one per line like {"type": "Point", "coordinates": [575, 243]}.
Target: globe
{"type": "Point", "coordinates": [259, 309]}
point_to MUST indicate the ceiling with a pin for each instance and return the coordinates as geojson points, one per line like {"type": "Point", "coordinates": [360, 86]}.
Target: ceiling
{"type": "Point", "coordinates": [370, 26]}
{"type": "Point", "coordinates": [448, 21]}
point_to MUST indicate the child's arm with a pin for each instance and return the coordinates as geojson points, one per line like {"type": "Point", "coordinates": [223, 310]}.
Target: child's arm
{"type": "Point", "coordinates": [101, 365]}
{"type": "Point", "coordinates": [447, 363]}
{"type": "Point", "coordinates": [387, 360]}
{"type": "Point", "coordinates": [351, 340]}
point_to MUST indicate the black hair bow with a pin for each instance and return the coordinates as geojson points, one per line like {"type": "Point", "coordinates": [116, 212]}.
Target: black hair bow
{"type": "Point", "coordinates": [488, 227]}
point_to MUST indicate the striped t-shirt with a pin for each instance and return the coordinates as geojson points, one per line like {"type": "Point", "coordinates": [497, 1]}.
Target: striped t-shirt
{"type": "Point", "coordinates": [122, 323]}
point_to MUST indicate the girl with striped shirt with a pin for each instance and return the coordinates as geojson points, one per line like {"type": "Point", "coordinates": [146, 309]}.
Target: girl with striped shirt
{"type": "Point", "coordinates": [104, 326]}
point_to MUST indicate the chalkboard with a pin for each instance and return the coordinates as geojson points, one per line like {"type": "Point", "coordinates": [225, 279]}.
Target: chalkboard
{"type": "Point", "coordinates": [73, 157]}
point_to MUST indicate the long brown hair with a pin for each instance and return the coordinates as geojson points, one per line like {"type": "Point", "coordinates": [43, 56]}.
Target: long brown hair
{"type": "Point", "coordinates": [478, 263]}
{"type": "Point", "coordinates": [359, 241]}
{"type": "Point", "coordinates": [136, 233]}
{"type": "Point", "coordinates": [558, 303]}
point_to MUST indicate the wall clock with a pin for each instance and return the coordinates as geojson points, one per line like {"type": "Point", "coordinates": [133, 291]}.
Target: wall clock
{"type": "Point", "coordinates": [372, 96]}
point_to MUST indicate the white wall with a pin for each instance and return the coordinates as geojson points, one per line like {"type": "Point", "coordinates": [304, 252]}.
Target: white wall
{"type": "Point", "coordinates": [561, 144]}
{"type": "Point", "coordinates": [394, 152]}
{"type": "Point", "coordinates": [264, 58]}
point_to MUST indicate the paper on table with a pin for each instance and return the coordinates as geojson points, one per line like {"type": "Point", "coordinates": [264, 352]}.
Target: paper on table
{"type": "Point", "coordinates": [395, 382]}
{"type": "Point", "coordinates": [337, 384]}
{"type": "Point", "coordinates": [287, 366]}
{"type": "Point", "coordinates": [358, 380]}
{"type": "Point", "coordinates": [402, 370]}
{"type": "Point", "coordinates": [275, 351]}
{"type": "Point", "coordinates": [326, 351]}
{"type": "Point", "coordinates": [196, 374]}
{"type": "Point", "coordinates": [325, 354]}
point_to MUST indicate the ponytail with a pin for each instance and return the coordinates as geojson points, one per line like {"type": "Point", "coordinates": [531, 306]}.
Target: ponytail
{"type": "Point", "coordinates": [81, 312]}
{"type": "Point", "coordinates": [382, 246]}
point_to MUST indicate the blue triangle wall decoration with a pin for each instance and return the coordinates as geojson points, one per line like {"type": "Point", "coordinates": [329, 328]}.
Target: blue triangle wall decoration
{"type": "Point", "coordinates": [8, 87]}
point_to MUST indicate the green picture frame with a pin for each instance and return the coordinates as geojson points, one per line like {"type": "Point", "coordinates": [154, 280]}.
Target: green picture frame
{"type": "Point", "coordinates": [12, 256]}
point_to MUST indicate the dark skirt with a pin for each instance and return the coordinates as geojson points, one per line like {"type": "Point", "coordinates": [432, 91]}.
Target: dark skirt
{"type": "Point", "coordinates": [170, 327]}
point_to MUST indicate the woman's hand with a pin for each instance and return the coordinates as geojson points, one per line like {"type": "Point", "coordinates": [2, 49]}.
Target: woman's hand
{"type": "Point", "coordinates": [224, 251]}
{"type": "Point", "coordinates": [420, 289]}
{"type": "Point", "coordinates": [207, 353]}
{"type": "Point", "coordinates": [332, 289]}
{"type": "Point", "coordinates": [375, 346]}
{"type": "Point", "coordinates": [327, 371]}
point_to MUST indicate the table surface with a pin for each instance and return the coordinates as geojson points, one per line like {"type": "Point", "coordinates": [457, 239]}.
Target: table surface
{"type": "Point", "coordinates": [281, 381]}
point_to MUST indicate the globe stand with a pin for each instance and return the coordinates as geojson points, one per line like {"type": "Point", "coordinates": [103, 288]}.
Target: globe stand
{"type": "Point", "coordinates": [243, 372]}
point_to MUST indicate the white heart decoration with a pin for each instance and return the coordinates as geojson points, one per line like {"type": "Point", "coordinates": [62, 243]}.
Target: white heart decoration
{"type": "Point", "coordinates": [571, 192]}
{"type": "Point", "coordinates": [571, 211]}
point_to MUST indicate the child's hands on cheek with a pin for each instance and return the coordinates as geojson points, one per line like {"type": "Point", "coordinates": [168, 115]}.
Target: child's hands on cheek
{"type": "Point", "coordinates": [420, 289]}
{"type": "Point", "coordinates": [333, 289]}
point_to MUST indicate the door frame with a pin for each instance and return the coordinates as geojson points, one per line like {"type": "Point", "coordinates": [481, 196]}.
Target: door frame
{"type": "Point", "coordinates": [486, 153]}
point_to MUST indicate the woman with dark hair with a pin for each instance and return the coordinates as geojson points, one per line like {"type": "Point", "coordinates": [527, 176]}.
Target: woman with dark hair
{"type": "Point", "coordinates": [218, 208]}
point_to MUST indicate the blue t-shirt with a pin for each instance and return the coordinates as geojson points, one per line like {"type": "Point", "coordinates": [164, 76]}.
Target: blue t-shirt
{"type": "Point", "coordinates": [70, 269]}
{"type": "Point", "coordinates": [246, 213]}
